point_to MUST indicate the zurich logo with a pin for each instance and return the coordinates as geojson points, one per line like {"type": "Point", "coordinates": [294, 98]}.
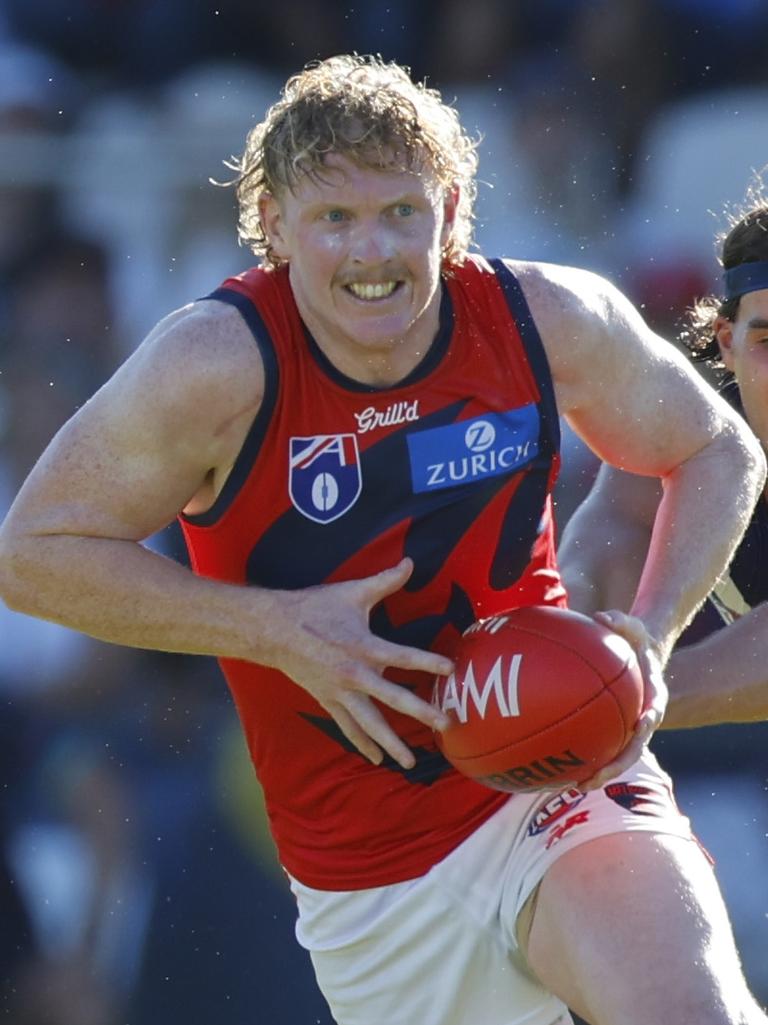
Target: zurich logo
{"type": "Point", "coordinates": [469, 451]}
{"type": "Point", "coordinates": [324, 479]}
{"type": "Point", "coordinates": [480, 435]}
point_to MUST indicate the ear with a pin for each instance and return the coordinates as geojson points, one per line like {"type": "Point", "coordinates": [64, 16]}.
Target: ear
{"type": "Point", "coordinates": [450, 208]}
{"type": "Point", "coordinates": [271, 217]}
{"type": "Point", "coordinates": [723, 330]}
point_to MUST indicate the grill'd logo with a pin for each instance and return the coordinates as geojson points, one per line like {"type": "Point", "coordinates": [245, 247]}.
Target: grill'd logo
{"type": "Point", "coordinates": [396, 413]}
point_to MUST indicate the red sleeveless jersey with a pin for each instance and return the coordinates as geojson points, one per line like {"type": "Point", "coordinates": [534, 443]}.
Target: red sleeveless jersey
{"type": "Point", "coordinates": [337, 480]}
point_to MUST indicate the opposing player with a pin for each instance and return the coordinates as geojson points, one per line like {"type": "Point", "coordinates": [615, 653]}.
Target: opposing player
{"type": "Point", "coordinates": [361, 437]}
{"type": "Point", "coordinates": [718, 673]}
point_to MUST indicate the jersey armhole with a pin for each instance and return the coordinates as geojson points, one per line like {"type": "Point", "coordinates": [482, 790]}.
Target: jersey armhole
{"type": "Point", "coordinates": [534, 348]}
{"type": "Point", "coordinates": [258, 429]}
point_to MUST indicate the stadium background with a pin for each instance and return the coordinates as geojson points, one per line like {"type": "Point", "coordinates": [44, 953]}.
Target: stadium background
{"type": "Point", "coordinates": [142, 886]}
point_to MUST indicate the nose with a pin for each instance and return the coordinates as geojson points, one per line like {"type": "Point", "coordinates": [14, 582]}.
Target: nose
{"type": "Point", "coordinates": [371, 244]}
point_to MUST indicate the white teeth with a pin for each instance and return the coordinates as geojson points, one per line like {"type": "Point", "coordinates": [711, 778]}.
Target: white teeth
{"type": "Point", "coordinates": [377, 291]}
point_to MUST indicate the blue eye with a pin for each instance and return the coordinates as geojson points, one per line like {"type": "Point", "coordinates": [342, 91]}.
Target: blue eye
{"type": "Point", "coordinates": [405, 209]}
{"type": "Point", "coordinates": [335, 216]}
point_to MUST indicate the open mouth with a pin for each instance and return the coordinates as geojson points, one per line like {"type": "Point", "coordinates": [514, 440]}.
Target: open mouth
{"type": "Point", "coordinates": [373, 291]}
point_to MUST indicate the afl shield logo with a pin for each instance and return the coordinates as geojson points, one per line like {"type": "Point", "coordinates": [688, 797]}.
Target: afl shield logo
{"type": "Point", "coordinates": [324, 478]}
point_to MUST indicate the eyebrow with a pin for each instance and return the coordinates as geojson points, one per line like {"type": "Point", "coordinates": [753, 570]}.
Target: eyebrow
{"type": "Point", "coordinates": [757, 323]}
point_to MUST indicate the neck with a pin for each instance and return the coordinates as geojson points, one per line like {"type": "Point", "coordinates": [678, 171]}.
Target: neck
{"type": "Point", "coordinates": [381, 364]}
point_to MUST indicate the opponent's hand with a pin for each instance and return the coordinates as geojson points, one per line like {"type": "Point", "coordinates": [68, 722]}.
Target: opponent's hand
{"type": "Point", "coordinates": [320, 638]}
{"type": "Point", "coordinates": [655, 698]}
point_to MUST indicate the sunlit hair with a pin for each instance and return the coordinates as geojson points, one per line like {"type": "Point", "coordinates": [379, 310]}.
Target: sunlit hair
{"type": "Point", "coordinates": [370, 112]}
{"type": "Point", "coordinates": [744, 241]}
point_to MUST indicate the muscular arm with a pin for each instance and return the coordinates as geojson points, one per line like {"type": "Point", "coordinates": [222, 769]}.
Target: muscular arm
{"type": "Point", "coordinates": [640, 406]}
{"type": "Point", "coordinates": [150, 441]}
{"type": "Point", "coordinates": [160, 437]}
{"type": "Point", "coordinates": [605, 543]}
{"type": "Point", "coordinates": [723, 678]}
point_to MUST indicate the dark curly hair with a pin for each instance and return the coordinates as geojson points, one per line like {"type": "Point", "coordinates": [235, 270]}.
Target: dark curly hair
{"type": "Point", "coordinates": [369, 111]}
{"type": "Point", "coordinates": [744, 241]}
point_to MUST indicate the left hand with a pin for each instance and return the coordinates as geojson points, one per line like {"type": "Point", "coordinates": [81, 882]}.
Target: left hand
{"type": "Point", "coordinates": [655, 698]}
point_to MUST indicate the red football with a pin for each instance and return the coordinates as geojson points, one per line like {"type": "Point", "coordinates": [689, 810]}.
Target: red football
{"type": "Point", "coordinates": [541, 698]}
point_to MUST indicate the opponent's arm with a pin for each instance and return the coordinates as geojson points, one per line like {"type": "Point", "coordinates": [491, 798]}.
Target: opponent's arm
{"type": "Point", "coordinates": [723, 678]}
{"type": "Point", "coordinates": [605, 542]}
{"type": "Point", "coordinates": [160, 437]}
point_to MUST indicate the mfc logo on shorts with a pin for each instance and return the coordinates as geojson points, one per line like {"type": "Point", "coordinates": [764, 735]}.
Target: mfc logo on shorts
{"type": "Point", "coordinates": [324, 479]}
{"type": "Point", "coordinates": [471, 450]}
{"type": "Point", "coordinates": [652, 799]}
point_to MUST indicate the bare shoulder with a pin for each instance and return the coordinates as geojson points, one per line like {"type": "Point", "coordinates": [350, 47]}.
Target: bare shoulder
{"type": "Point", "coordinates": [160, 434]}
{"type": "Point", "coordinates": [199, 366]}
{"type": "Point", "coordinates": [555, 290]}
{"type": "Point", "coordinates": [575, 310]}
{"type": "Point", "coordinates": [612, 372]}
{"type": "Point", "coordinates": [191, 391]}
{"type": "Point", "coordinates": [207, 339]}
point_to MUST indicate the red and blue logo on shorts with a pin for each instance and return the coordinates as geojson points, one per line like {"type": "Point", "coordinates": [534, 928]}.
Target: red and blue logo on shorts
{"type": "Point", "coordinates": [324, 479]}
{"type": "Point", "coordinates": [554, 807]}
{"type": "Point", "coordinates": [642, 799]}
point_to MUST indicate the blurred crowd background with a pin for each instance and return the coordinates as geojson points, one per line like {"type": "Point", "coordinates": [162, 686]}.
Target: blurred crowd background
{"type": "Point", "coordinates": [139, 885]}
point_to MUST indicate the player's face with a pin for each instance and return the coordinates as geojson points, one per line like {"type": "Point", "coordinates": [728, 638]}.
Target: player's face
{"type": "Point", "coordinates": [364, 252]}
{"type": "Point", "coordinates": [744, 347]}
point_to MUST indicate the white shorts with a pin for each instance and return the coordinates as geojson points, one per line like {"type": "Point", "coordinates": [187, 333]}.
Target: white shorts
{"type": "Point", "coordinates": [441, 949]}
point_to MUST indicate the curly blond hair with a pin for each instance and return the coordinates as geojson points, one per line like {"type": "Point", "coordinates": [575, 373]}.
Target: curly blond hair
{"type": "Point", "coordinates": [370, 112]}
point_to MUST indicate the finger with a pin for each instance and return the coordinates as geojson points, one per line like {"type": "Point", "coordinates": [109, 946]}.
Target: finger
{"type": "Point", "coordinates": [403, 700]}
{"type": "Point", "coordinates": [371, 722]}
{"type": "Point", "coordinates": [631, 753]}
{"type": "Point", "coordinates": [648, 723]}
{"type": "Point", "coordinates": [646, 727]}
{"type": "Point", "coordinates": [356, 735]}
{"type": "Point", "coordinates": [402, 656]}
{"type": "Point", "coordinates": [656, 694]}
{"type": "Point", "coordinates": [630, 628]}
{"type": "Point", "coordinates": [381, 585]}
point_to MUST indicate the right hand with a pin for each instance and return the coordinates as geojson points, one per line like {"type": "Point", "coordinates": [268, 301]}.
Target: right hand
{"type": "Point", "coordinates": [323, 642]}
{"type": "Point", "coordinates": [655, 698]}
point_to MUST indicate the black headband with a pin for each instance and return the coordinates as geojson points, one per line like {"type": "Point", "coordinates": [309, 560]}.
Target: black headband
{"type": "Point", "coordinates": [746, 277]}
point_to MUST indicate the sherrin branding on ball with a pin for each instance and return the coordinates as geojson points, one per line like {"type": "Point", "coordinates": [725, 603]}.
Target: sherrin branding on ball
{"type": "Point", "coordinates": [541, 698]}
